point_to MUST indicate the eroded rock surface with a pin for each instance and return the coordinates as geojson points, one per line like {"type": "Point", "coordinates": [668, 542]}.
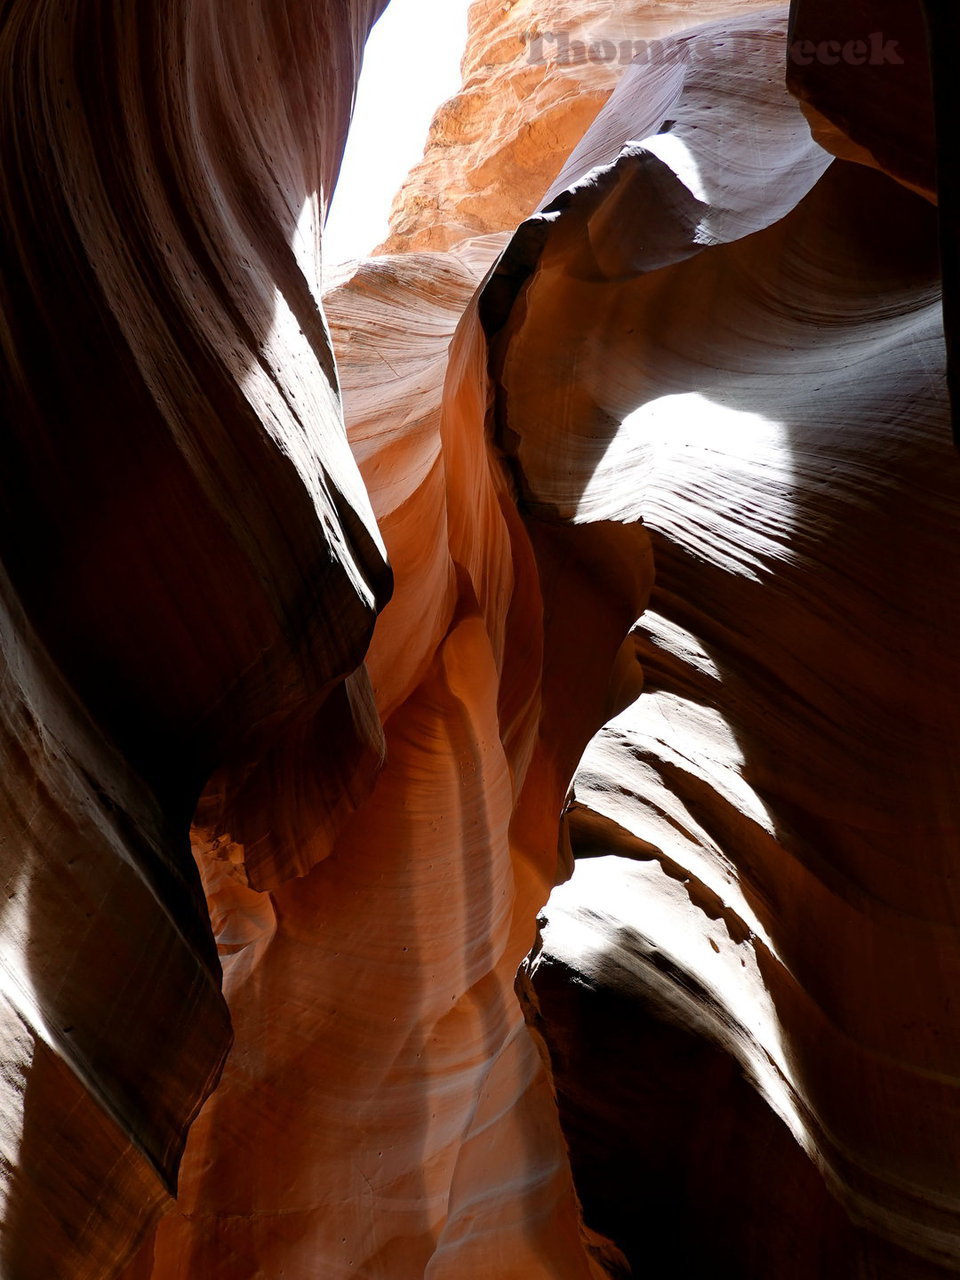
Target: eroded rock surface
{"type": "Point", "coordinates": [381, 1056]}
{"type": "Point", "coordinates": [191, 566]}
{"type": "Point", "coordinates": [751, 359]}
{"type": "Point", "coordinates": [535, 74]}
{"type": "Point", "coordinates": [702, 388]}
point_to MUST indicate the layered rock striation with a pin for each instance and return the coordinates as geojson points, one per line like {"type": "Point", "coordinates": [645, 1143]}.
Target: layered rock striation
{"type": "Point", "coordinates": [661, 495]}
{"type": "Point", "coordinates": [191, 567]}
{"type": "Point", "coordinates": [750, 357]}
{"type": "Point", "coordinates": [535, 75]}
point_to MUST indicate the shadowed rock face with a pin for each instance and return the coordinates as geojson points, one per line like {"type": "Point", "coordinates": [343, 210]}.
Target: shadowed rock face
{"type": "Point", "coordinates": [702, 387]}
{"type": "Point", "coordinates": [191, 567]}
{"type": "Point", "coordinates": [194, 572]}
{"type": "Point", "coordinates": [863, 73]}
{"type": "Point", "coordinates": [751, 358]}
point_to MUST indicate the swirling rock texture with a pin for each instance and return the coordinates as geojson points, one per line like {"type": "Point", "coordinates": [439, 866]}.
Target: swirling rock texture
{"type": "Point", "coordinates": [702, 387]}
{"type": "Point", "coordinates": [535, 75]}
{"type": "Point", "coordinates": [382, 1064]}
{"type": "Point", "coordinates": [191, 566]}
{"type": "Point", "coordinates": [746, 349]}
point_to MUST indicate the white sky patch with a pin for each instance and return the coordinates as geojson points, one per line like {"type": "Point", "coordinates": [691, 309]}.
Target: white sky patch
{"type": "Point", "coordinates": [411, 67]}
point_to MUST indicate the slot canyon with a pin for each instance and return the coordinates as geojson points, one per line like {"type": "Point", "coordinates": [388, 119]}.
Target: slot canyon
{"type": "Point", "coordinates": [480, 722]}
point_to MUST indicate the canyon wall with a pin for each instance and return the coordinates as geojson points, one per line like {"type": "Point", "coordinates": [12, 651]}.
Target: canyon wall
{"type": "Point", "coordinates": [191, 569]}
{"type": "Point", "coordinates": [692, 335]}
{"type": "Point", "coordinates": [661, 496]}
{"type": "Point", "coordinates": [744, 348]}
{"type": "Point", "coordinates": [535, 75]}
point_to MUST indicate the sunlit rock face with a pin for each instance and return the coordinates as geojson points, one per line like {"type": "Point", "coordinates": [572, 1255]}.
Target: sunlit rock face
{"type": "Point", "coordinates": [381, 1057]}
{"type": "Point", "coordinates": [535, 74]}
{"type": "Point", "coordinates": [741, 343]}
{"type": "Point", "coordinates": [702, 388]}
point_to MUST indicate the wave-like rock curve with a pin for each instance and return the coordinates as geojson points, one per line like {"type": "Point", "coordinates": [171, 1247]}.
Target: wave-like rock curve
{"type": "Point", "coordinates": [702, 387]}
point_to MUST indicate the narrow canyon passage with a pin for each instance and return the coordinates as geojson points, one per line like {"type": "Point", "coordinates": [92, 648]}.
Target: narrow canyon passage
{"type": "Point", "coordinates": [596, 531]}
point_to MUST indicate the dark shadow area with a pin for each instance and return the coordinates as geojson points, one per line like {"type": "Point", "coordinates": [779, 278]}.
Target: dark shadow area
{"type": "Point", "coordinates": [177, 569]}
{"type": "Point", "coordinates": [675, 1155]}
{"type": "Point", "coordinates": [822, 607]}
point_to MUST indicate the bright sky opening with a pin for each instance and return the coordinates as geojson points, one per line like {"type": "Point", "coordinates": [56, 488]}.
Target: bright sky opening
{"type": "Point", "coordinates": [410, 67]}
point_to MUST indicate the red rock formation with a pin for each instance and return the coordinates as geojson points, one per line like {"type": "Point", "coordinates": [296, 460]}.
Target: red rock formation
{"type": "Point", "coordinates": [862, 72]}
{"type": "Point", "coordinates": [750, 357]}
{"type": "Point", "coordinates": [191, 564]}
{"type": "Point", "coordinates": [714, 349]}
{"type": "Point", "coordinates": [381, 1056]}
{"type": "Point", "coordinates": [535, 74]}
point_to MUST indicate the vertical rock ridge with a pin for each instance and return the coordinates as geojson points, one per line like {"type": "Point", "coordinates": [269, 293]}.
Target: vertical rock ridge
{"type": "Point", "coordinates": [663, 501]}
{"type": "Point", "coordinates": [191, 567]}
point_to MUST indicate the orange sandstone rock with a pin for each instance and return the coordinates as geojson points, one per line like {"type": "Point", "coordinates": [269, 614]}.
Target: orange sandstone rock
{"type": "Point", "coordinates": [742, 344]}
{"type": "Point", "coordinates": [535, 74]}
{"type": "Point", "coordinates": [702, 387]}
{"type": "Point", "coordinates": [191, 569]}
